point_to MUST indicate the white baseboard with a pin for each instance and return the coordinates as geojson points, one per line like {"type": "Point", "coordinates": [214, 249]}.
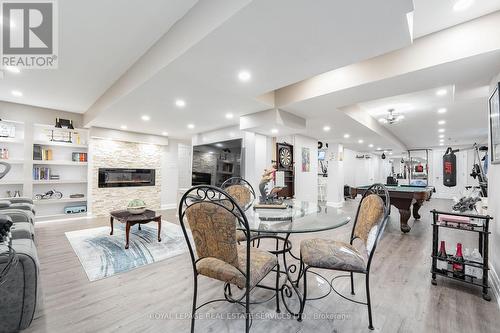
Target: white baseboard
{"type": "Point", "coordinates": [169, 206]}
{"type": "Point", "coordinates": [495, 285]}
{"type": "Point", "coordinates": [335, 204]}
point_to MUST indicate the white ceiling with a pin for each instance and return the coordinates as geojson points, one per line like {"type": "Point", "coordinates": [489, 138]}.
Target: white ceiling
{"type": "Point", "coordinates": [434, 15]}
{"type": "Point", "coordinates": [466, 117]}
{"type": "Point", "coordinates": [279, 42]}
{"type": "Point", "coordinates": [99, 40]}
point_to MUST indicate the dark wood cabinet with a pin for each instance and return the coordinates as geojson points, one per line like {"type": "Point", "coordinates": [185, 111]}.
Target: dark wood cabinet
{"type": "Point", "coordinates": [285, 162]}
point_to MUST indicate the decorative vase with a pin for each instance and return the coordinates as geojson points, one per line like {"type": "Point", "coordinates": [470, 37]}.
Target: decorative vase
{"type": "Point", "coordinates": [136, 206]}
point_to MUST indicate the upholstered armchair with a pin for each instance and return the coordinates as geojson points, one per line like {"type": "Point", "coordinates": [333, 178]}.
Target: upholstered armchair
{"type": "Point", "coordinates": [369, 225]}
{"type": "Point", "coordinates": [210, 213]}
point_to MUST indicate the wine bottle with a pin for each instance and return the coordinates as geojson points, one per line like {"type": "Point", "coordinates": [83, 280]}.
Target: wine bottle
{"type": "Point", "coordinates": [442, 262]}
{"type": "Point", "coordinates": [458, 264]}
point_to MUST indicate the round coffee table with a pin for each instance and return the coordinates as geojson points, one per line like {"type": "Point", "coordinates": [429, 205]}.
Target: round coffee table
{"type": "Point", "coordinates": [131, 219]}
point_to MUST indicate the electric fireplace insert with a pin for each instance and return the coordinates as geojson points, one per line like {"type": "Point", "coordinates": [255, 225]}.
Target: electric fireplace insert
{"type": "Point", "coordinates": [121, 177]}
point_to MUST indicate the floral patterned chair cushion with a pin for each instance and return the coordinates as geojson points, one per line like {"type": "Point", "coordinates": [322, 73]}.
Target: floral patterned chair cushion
{"type": "Point", "coordinates": [370, 215]}
{"type": "Point", "coordinates": [214, 231]}
{"type": "Point", "coordinates": [330, 254]}
{"type": "Point", "coordinates": [241, 194]}
{"type": "Point", "coordinates": [261, 263]}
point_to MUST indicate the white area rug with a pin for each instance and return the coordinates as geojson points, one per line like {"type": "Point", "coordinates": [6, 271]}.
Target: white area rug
{"type": "Point", "coordinates": [103, 255]}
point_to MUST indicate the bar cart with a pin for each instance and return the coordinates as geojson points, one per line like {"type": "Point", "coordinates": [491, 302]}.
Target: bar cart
{"type": "Point", "coordinates": [475, 223]}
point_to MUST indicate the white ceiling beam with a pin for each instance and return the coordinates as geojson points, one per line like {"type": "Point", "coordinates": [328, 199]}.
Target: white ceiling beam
{"type": "Point", "coordinates": [362, 117]}
{"type": "Point", "coordinates": [202, 19]}
{"type": "Point", "coordinates": [469, 39]}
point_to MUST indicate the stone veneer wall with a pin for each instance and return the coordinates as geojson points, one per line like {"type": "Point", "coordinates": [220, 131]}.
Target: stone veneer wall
{"type": "Point", "coordinates": [118, 154]}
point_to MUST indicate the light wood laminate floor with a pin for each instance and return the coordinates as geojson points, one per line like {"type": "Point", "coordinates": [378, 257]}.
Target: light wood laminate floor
{"type": "Point", "coordinates": [157, 297]}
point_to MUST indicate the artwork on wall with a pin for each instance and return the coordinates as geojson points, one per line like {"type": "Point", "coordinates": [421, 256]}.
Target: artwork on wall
{"type": "Point", "coordinates": [494, 106]}
{"type": "Point", "coordinates": [306, 160]}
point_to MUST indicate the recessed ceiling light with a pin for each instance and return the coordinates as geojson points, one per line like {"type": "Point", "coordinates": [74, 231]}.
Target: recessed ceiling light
{"type": "Point", "coordinates": [164, 133]}
{"type": "Point", "coordinates": [123, 127]}
{"type": "Point", "coordinates": [441, 144]}
{"type": "Point", "coordinates": [442, 110]}
{"type": "Point", "coordinates": [378, 148]}
{"type": "Point", "coordinates": [462, 5]}
{"type": "Point", "coordinates": [360, 141]}
{"type": "Point", "coordinates": [210, 152]}
{"type": "Point", "coordinates": [441, 136]}
{"type": "Point", "coordinates": [370, 145]}
{"type": "Point", "coordinates": [274, 130]}
{"type": "Point", "coordinates": [229, 116]}
{"type": "Point", "coordinates": [326, 128]}
{"type": "Point", "coordinates": [16, 93]}
{"type": "Point", "coordinates": [390, 153]}
{"type": "Point", "coordinates": [145, 117]}
{"type": "Point", "coordinates": [180, 103]}
{"type": "Point", "coordinates": [244, 76]}
{"type": "Point", "coordinates": [441, 140]}
{"type": "Point", "coordinates": [12, 69]}
{"type": "Point", "coordinates": [220, 145]}
{"type": "Point", "coordinates": [441, 122]}
{"type": "Point", "coordinates": [346, 136]}
{"type": "Point", "coordinates": [190, 126]}
{"type": "Point", "coordinates": [441, 130]}
{"type": "Point", "coordinates": [441, 92]}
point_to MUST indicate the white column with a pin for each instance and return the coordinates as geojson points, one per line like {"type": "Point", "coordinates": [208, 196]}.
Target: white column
{"type": "Point", "coordinates": [335, 184]}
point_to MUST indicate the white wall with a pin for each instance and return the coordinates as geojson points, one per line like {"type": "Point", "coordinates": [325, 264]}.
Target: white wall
{"type": "Point", "coordinates": [494, 203]}
{"type": "Point", "coordinates": [360, 172]}
{"type": "Point", "coordinates": [176, 171]}
{"type": "Point", "coordinates": [306, 183]}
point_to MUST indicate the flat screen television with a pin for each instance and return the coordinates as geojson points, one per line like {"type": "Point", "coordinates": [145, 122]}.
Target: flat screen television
{"type": "Point", "coordinates": [321, 155]}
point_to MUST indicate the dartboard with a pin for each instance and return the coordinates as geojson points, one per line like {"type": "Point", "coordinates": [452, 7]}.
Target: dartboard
{"type": "Point", "coordinates": [285, 157]}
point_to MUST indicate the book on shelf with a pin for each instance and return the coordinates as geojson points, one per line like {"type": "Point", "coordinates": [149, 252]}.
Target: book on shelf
{"type": "Point", "coordinates": [41, 173]}
{"type": "Point", "coordinates": [40, 154]}
{"type": "Point", "coordinates": [79, 157]}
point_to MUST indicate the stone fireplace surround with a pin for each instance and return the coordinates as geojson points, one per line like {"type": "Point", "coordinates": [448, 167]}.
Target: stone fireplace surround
{"type": "Point", "coordinates": [104, 153]}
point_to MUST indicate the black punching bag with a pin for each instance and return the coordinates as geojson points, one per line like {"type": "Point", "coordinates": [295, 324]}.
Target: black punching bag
{"type": "Point", "coordinates": [449, 168]}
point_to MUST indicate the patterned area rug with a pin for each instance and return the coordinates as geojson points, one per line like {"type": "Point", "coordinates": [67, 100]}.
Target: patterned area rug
{"type": "Point", "coordinates": [103, 255]}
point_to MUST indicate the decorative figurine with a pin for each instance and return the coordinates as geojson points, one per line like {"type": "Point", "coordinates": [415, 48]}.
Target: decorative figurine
{"type": "Point", "coordinates": [270, 198]}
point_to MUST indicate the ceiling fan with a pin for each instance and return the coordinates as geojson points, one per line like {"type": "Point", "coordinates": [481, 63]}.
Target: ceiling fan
{"type": "Point", "coordinates": [391, 118]}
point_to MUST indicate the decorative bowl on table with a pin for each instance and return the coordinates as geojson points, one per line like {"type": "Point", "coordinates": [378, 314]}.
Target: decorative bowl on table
{"type": "Point", "coordinates": [136, 206]}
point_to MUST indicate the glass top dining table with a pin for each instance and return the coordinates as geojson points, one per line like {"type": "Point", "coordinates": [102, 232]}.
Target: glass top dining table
{"type": "Point", "coordinates": [298, 217]}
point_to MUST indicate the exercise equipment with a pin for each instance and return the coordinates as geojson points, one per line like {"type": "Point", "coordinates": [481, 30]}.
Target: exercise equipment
{"type": "Point", "coordinates": [450, 168]}
{"type": "Point", "coordinates": [478, 169]}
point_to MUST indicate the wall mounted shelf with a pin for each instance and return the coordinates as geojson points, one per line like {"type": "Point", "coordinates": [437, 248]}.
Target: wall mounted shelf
{"type": "Point", "coordinates": [58, 201]}
{"type": "Point", "coordinates": [60, 162]}
{"type": "Point", "coordinates": [59, 144]}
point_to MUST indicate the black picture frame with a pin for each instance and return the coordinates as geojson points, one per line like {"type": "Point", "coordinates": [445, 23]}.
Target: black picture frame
{"type": "Point", "coordinates": [494, 116]}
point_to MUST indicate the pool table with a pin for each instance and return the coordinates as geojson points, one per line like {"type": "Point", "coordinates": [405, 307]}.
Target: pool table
{"type": "Point", "coordinates": [402, 197]}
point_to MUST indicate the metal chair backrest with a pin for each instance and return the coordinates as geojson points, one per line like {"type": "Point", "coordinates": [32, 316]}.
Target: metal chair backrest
{"type": "Point", "coordinates": [240, 190]}
{"type": "Point", "coordinates": [371, 218]}
{"type": "Point", "coordinates": [211, 214]}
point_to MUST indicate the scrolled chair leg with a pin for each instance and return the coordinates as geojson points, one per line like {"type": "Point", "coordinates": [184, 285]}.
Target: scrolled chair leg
{"type": "Point", "coordinates": [277, 288]}
{"type": "Point", "coordinates": [195, 294]}
{"type": "Point", "coordinates": [247, 311]}
{"type": "Point", "coordinates": [352, 283]}
{"type": "Point", "coordinates": [304, 296]}
{"type": "Point", "coordinates": [368, 303]}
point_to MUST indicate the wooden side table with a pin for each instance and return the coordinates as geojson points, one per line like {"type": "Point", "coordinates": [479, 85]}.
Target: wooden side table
{"type": "Point", "coordinates": [131, 219]}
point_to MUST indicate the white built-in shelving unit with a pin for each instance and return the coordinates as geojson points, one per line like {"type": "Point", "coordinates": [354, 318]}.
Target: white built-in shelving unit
{"type": "Point", "coordinates": [72, 175]}
{"type": "Point", "coordinates": [15, 179]}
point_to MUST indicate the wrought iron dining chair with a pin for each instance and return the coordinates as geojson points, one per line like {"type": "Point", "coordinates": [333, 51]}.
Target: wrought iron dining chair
{"type": "Point", "coordinates": [371, 218]}
{"type": "Point", "coordinates": [211, 213]}
{"type": "Point", "coordinates": [244, 194]}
